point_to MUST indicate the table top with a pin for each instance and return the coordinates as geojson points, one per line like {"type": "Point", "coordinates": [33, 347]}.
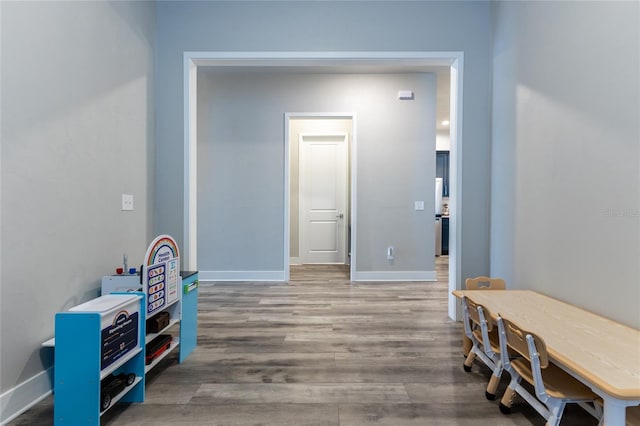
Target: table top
{"type": "Point", "coordinates": [597, 349]}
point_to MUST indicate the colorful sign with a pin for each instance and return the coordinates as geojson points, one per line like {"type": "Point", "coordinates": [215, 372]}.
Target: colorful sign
{"type": "Point", "coordinates": [161, 249]}
{"type": "Point", "coordinates": [161, 273]}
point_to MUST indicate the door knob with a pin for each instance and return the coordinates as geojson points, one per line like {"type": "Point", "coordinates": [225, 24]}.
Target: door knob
{"type": "Point", "coordinates": [341, 215]}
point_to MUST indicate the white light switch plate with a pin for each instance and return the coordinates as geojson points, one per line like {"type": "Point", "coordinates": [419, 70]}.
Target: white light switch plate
{"type": "Point", "coordinates": [127, 202]}
{"type": "Point", "coordinates": [419, 205]}
{"type": "Point", "coordinates": [405, 95]}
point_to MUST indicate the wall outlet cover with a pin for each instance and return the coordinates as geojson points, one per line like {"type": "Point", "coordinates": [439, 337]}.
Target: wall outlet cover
{"type": "Point", "coordinates": [390, 253]}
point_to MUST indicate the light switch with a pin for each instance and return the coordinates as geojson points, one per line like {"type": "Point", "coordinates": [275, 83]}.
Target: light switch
{"type": "Point", "coordinates": [127, 202]}
{"type": "Point", "coordinates": [405, 95]}
{"type": "Point", "coordinates": [419, 205]}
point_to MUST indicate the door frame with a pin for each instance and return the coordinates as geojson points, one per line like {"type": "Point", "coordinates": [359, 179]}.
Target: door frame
{"type": "Point", "coordinates": [352, 184]}
{"type": "Point", "coordinates": [373, 60]}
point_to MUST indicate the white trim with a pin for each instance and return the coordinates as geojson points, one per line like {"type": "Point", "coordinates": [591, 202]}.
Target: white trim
{"type": "Point", "coordinates": [19, 399]}
{"type": "Point", "coordinates": [287, 202]}
{"type": "Point", "coordinates": [352, 156]}
{"type": "Point", "coordinates": [312, 59]}
{"type": "Point", "coordinates": [352, 255]}
{"type": "Point", "coordinates": [455, 187]}
{"type": "Point", "coordinates": [396, 276]}
{"type": "Point", "coordinates": [241, 276]}
{"type": "Point", "coordinates": [294, 261]}
{"type": "Point", "coordinates": [190, 230]}
{"type": "Point", "coordinates": [379, 60]}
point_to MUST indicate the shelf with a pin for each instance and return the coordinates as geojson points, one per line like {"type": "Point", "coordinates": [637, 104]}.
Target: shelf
{"type": "Point", "coordinates": [110, 331]}
{"type": "Point", "coordinates": [151, 336]}
{"type": "Point", "coordinates": [119, 363]}
{"type": "Point", "coordinates": [166, 307]}
{"type": "Point", "coordinates": [121, 395]}
{"type": "Point", "coordinates": [103, 332]}
{"type": "Point", "coordinates": [174, 344]}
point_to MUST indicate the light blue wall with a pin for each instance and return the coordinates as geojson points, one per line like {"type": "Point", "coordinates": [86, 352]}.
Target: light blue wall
{"type": "Point", "coordinates": [77, 132]}
{"type": "Point", "coordinates": [566, 152]}
{"type": "Point", "coordinates": [332, 26]}
{"type": "Point", "coordinates": [241, 165]}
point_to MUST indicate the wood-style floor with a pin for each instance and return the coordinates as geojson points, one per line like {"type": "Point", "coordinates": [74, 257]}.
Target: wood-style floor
{"type": "Point", "coordinates": [320, 350]}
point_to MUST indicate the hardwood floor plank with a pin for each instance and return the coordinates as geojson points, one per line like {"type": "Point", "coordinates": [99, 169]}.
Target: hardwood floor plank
{"type": "Point", "coordinates": [300, 393]}
{"type": "Point", "coordinates": [468, 414]}
{"type": "Point", "coordinates": [225, 415]}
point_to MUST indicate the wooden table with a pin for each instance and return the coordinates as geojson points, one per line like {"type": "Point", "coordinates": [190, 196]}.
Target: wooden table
{"type": "Point", "coordinates": [603, 354]}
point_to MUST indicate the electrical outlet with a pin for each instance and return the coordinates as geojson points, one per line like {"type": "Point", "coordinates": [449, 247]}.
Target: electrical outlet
{"type": "Point", "coordinates": [127, 202]}
{"type": "Point", "coordinates": [390, 253]}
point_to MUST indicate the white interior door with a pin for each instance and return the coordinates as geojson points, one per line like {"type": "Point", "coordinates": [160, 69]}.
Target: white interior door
{"type": "Point", "coordinates": [323, 198]}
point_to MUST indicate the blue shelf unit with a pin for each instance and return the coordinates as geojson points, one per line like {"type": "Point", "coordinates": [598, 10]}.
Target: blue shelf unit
{"type": "Point", "coordinates": [183, 312]}
{"type": "Point", "coordinates": [92, 341]}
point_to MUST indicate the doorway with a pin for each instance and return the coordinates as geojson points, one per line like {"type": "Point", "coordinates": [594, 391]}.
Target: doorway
{"type": "Point", "coordinates": [415, 61]}
{"type": "Point", "coordinates": [320, 187]}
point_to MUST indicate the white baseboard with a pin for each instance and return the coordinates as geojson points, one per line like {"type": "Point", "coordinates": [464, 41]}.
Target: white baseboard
{"type": "Point", "coordinates": [394, 276]}
{"type": "Point", "coordinates": [241, 275]}
{"type": "Point", "coordinates": [19, 399]}
{"type": "Point", "coordinates": [294, 261]}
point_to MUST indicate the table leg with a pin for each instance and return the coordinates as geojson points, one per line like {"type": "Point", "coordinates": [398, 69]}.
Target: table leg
{"type": "Point", "coordinates": [614, 412]}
